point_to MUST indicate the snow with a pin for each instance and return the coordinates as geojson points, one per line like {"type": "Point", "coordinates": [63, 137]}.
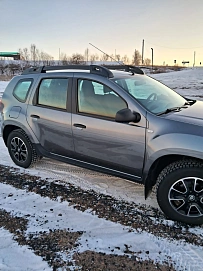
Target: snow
{"type": "Point", "coordinates": [3, 85]}
{"type": "Point", "coordinates": [99, 234]}
{"type": "Point", "coordinates": [18, 258]}
{"type": "Point", "coordinates": [187, 82]}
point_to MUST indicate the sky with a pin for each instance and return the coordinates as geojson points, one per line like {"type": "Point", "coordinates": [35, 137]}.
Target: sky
{"type": "Point", "coordinates": [173, 28]}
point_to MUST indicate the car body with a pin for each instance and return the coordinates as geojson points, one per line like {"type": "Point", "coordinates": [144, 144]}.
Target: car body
{"type": "Point", "coordinates": [118, 121]}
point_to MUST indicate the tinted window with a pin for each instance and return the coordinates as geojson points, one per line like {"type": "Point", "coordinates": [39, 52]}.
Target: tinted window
{"type": "Point", "coordinates": [98, 99]}
{"type": "Point", "coordinates": [53, 92]}
{"type": "Point", "coordinates": [21, 90]}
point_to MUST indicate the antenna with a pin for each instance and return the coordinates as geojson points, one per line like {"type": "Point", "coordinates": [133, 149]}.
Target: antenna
{"type": "Point", "coordinates": [106, 54]}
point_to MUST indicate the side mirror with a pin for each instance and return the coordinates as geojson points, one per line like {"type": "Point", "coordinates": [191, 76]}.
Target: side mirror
{"type": "Point", "coordinates": [126, 115]}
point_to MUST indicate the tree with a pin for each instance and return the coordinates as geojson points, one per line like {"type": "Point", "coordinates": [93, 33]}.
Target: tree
{"type": "Point", "coordinates": [34, 56]}
{"type": "Point", "coordinates": [136, 58]}
{"type": "Point", "coordinates": [77, 59]}
{"type": "Point", "coordinates": [125, 59]}
{"type": "Point", "coordinates": [64, 59]}
{"type": "Point", "coordinates": [94, 58]}
{"type": "Point", "coordinates": [45, 59]}
{"type": "Point", "coordinates": [118, 57]}
{"type": "Point", "coordinates": [24, 54]}
{"type": "Point", "coordinates": [33, 53]}
{"type": "Point", "coordinates": [147, 61]}
{"type": "Point", "coordinates": [2, 66]}
{"type": "Point", "coordinates": [104, 57]}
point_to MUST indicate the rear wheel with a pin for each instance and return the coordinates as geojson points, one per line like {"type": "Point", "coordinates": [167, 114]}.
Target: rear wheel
{"type": "Point", "coordinates": [180, 191]}
{"type": "Point", "coordinates": [21, 149]}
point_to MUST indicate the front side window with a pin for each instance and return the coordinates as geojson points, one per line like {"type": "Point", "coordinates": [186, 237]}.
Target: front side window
{"type": "Point", "coordinates": [153, 95]}
{"type": "Point", "coordinates": [97, 99]}
{"type": "Point", "coordinates": [21, 90]}
{"type": "Point", "coordinates": [53, 92]}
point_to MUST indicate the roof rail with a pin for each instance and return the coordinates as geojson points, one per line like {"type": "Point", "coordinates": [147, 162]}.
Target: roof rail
{"type": "Point", "coordinates": [126, 68]}
{"type": "Point", "coordinates": [95, 69]}
{"type": "Point", "coordinates": [33, 70]}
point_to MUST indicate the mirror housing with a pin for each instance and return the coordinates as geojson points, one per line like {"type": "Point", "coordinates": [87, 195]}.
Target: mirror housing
{"type": "Point", "coordinates": [126, 115]}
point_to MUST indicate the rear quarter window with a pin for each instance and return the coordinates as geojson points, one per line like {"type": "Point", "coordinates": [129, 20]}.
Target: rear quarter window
{"type": "Point", "coordinates": [21, 89]}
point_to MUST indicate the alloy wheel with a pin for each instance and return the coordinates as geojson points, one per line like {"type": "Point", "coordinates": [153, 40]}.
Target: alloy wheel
{"type": "Point", "coordinates": [19, 149]}
{"type": "Point", "coordinates": [186, 196]}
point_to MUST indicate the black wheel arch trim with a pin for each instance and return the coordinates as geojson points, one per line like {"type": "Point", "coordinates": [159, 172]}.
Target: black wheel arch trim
{"type": "Point", "coordinates": [14, 125]}
{"type": "Point", "coordinates": [153, 168]}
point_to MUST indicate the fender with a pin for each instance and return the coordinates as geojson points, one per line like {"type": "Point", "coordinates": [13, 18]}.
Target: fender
{"type": "Point", "coordinates": [165, 148]}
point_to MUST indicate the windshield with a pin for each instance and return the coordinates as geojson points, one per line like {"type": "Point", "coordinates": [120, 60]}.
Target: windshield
{"type": "Point", "coordinates": [153, 95]}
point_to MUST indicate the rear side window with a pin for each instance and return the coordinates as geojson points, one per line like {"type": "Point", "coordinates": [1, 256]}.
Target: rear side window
{"type": "Point", "coordinates": [53, 92]}
{"type": "Point", "coordinates": [21, 90]}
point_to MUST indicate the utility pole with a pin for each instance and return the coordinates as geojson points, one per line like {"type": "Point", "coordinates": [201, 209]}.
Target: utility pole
{"type": "Point", "coordinates": [34, 55]}
{"type": "Point", "coordinates": [142, 52]}
{"type": "Point", "coordinates": [59, 54]}
{"type": "Point", "coordinates": [87, 54]}
{"type": "Point", "coordinates": [152, 57]}
{"type": "Point", "coordinates": [194, 58]}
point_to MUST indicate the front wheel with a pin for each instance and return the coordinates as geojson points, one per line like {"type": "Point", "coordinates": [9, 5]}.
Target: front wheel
{"type": "Point", "coordinates": [180, 191]}
{"type": "Point", "coordinates": [21, 149]}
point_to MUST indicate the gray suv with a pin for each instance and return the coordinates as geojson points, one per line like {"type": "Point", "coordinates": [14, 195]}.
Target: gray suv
{"type": "Point", "coordinates": [110, 119]}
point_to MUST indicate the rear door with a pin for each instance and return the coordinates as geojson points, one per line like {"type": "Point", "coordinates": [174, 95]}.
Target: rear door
{"type": "Point", "coordinates": [98, 139]}
{"type": "Point", "coordinates": [49, 116]}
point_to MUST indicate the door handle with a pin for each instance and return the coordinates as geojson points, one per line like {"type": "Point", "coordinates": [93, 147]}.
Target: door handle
{"type": "Point", "coordinates": [79, 126]}
{"type": "Point", "coordinates": [35, 116]}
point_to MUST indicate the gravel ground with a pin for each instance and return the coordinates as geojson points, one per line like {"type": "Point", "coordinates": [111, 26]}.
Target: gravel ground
{"type": "Point", "coordinates": [48, 245]}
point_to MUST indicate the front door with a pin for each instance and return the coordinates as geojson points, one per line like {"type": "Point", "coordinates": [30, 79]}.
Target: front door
{"type": "Point", "coordinates": [100, 140]}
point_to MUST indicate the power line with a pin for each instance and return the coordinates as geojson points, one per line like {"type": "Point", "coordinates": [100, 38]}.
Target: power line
{"type": "Point", "coordinates": [182, 48]}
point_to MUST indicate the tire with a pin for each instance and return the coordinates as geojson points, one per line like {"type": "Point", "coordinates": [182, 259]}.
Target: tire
{"type": "Point", "coordinates": [180, 191]}
{"type": "Point", "coordinates": [21, 149]}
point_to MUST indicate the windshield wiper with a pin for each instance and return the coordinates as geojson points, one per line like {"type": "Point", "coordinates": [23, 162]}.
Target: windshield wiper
{"type": "Point", "coordinates": [168, 110]}
{"type": "Point", "coordinates": [190, 102]}
{"type": "Point", "coordinates": [177, 108]}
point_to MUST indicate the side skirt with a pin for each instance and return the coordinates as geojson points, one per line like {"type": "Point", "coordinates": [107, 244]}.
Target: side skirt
{"type": "Point", "coordinates": [91, 166]}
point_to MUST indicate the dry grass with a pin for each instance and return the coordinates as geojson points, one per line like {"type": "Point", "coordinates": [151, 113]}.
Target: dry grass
{"type": "Point", "coordinates": [5, 77]}
{"type": "Point", "coordinates": [163, 69]}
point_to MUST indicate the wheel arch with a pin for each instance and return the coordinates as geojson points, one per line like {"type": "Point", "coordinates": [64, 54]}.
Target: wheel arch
{"type": "Point", "coordinates": [157, 166]}
{"type": "Point", "coordinates": [11, 127]}
{"type": "Point", "coordinates": [7, 130]}
{"type": "Point", "coordinates": [22, 151]}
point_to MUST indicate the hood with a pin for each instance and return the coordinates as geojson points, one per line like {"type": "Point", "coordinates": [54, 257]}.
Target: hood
{"type": "Point", "coordinates": [193, 114]}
